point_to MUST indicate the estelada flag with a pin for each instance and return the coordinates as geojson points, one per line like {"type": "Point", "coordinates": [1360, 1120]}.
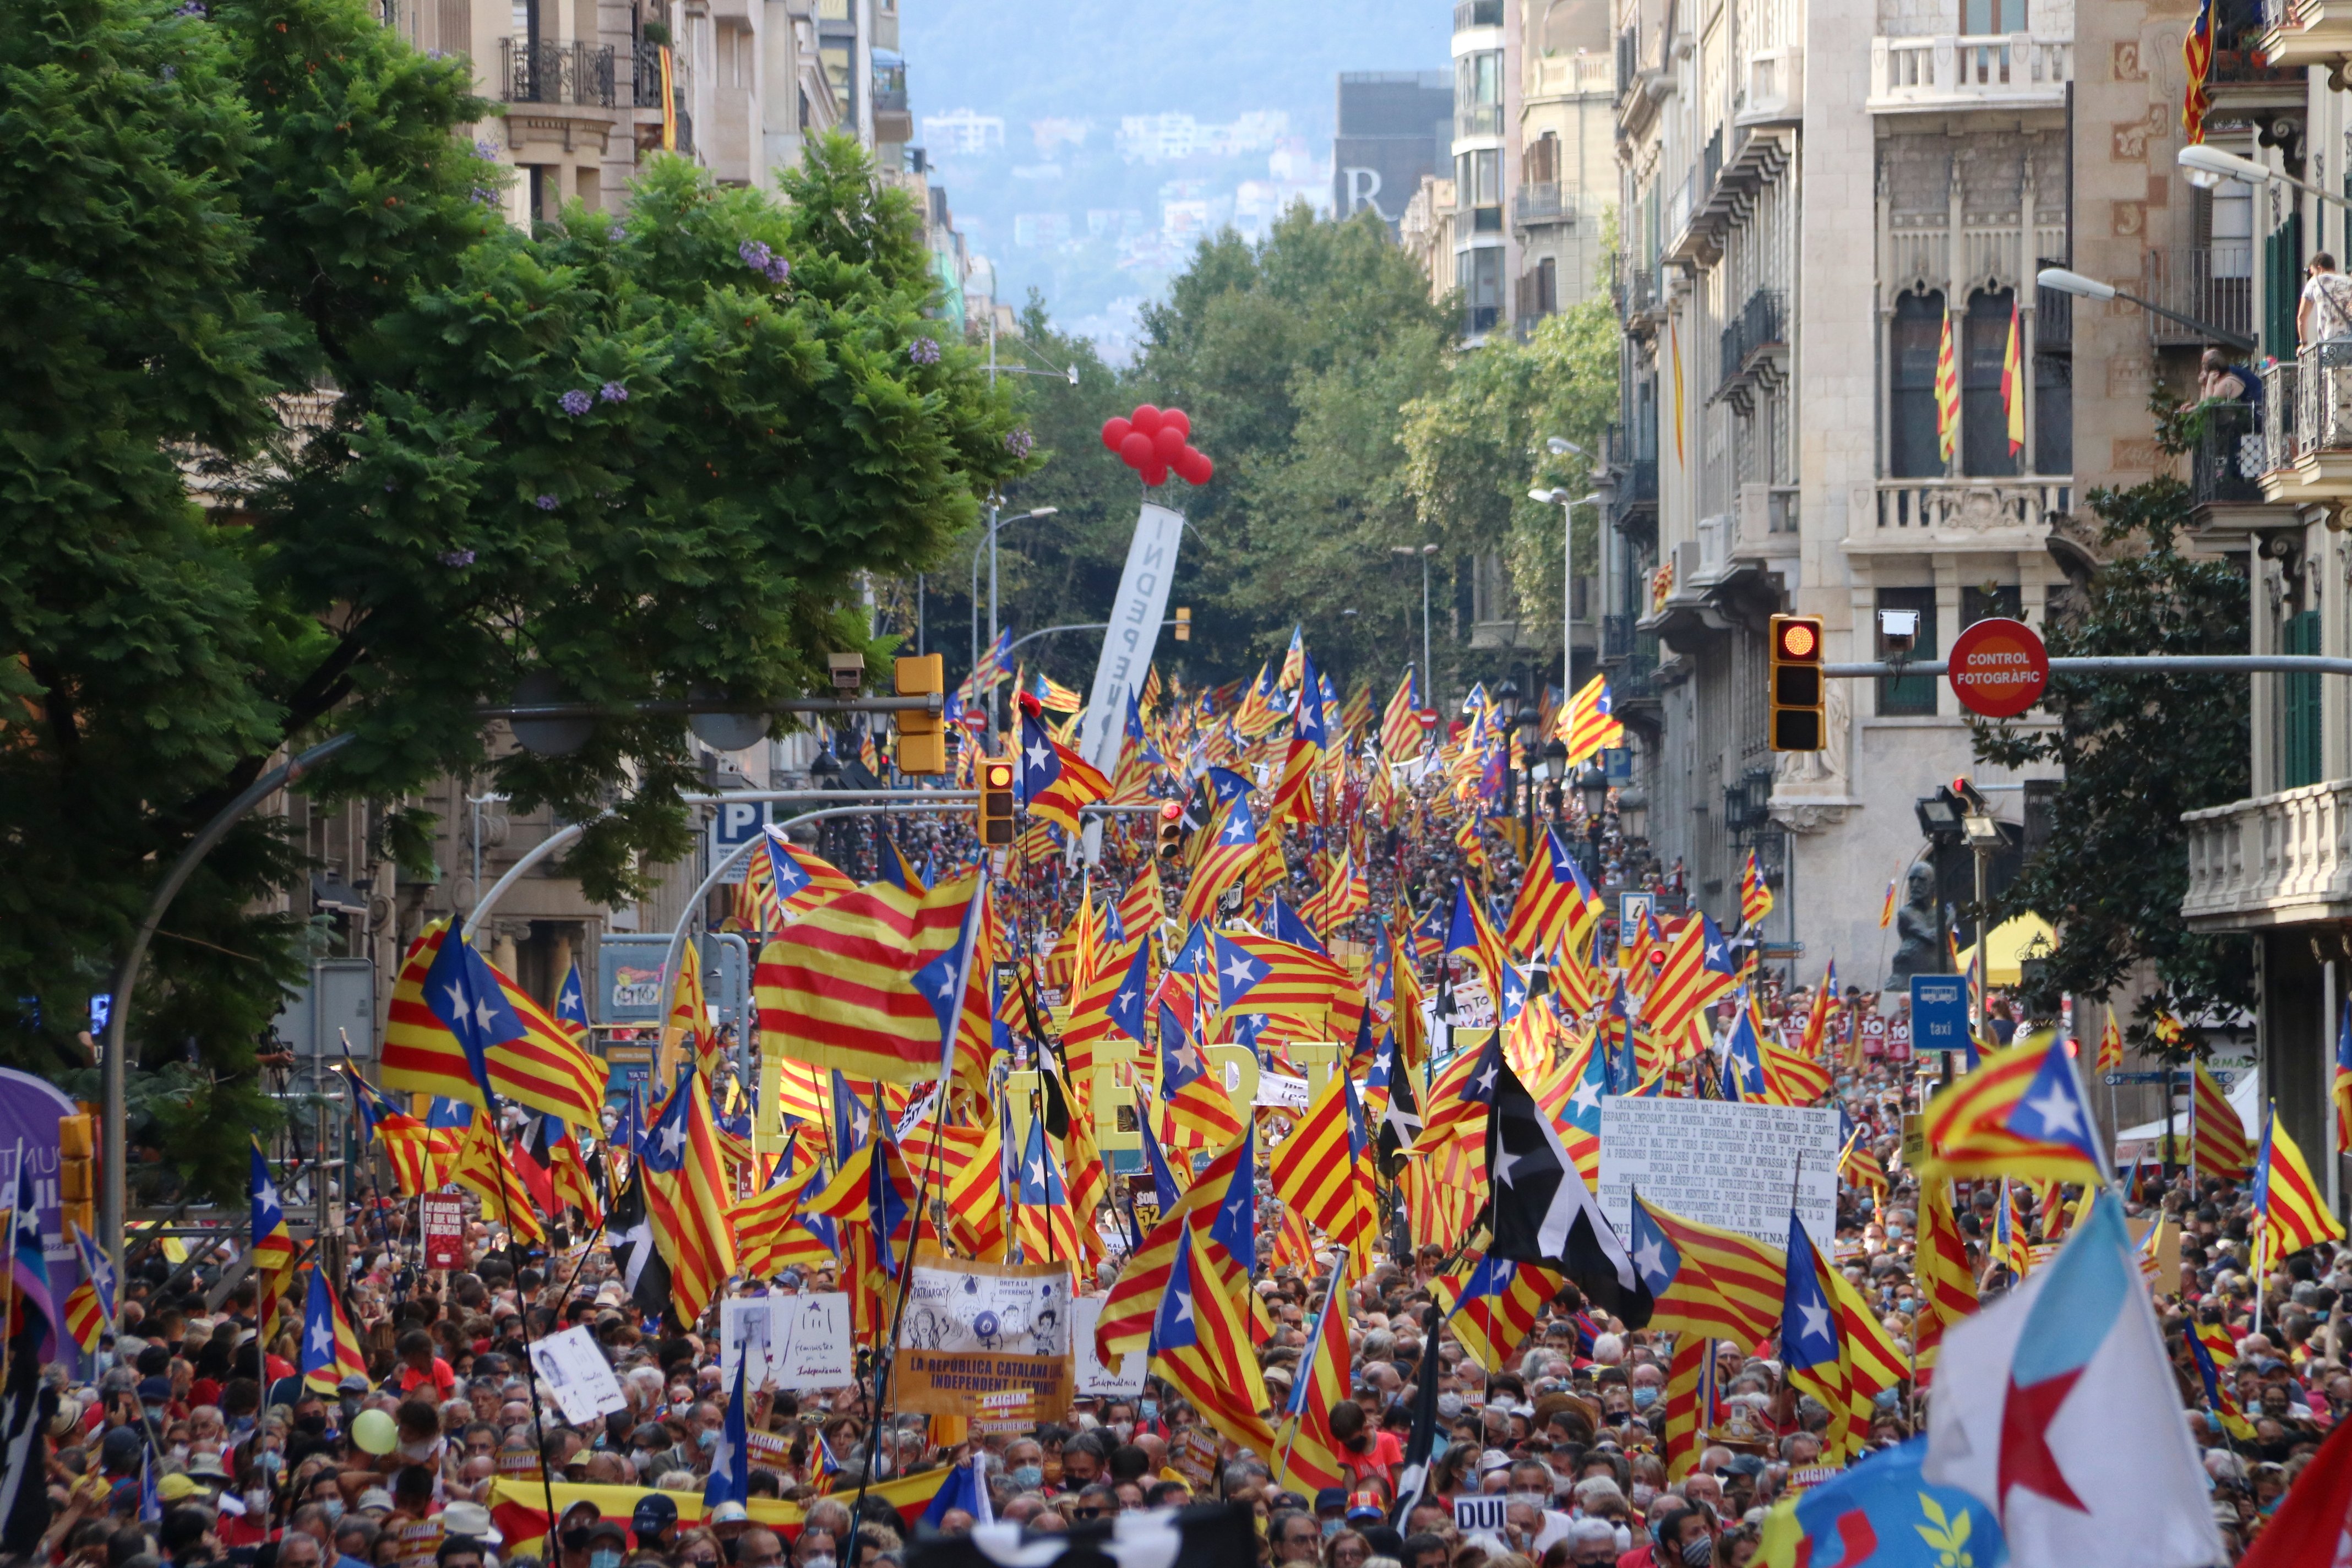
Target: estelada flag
{"type": "Point", "coordinates": [837, 988]}
{"type": "Point", "coordinates": [543, 1066]}
{"type": "Point", "coordinates": [1590, 722]}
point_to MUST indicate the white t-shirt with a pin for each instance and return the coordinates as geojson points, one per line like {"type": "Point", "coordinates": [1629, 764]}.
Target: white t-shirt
{"type": "Point", "coordinates": [2330, 297]}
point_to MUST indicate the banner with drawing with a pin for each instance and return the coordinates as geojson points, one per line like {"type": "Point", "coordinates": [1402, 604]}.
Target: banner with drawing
{"type": "Point", "coordinates": [975, 1329]}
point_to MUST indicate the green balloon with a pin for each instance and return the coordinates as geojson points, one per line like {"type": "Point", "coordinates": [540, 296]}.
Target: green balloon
{"type": "Point", "coordinates": [375, 1432]}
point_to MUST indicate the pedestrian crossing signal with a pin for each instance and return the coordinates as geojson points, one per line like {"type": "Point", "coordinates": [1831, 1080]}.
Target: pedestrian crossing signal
{"type": "Point", "coordinates": [996, 803]}
{"type": "Point", "coordinates": [1799, 723]}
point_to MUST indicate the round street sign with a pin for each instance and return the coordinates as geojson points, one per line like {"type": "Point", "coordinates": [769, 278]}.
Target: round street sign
{"type": "Point", "coordinates": [1997, 667]}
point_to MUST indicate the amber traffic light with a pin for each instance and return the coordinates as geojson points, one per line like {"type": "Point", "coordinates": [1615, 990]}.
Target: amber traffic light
{"type": "Point", "coordinates": [1184, 623]}
{"type": "Point", "coordinates": [921, 741]}
{"type": "Point", "coordinates": [1797, 696]}
{"type": "Point", "coordinates": [78, 1170]}
{"type": "Point", "coordinates": [995, 803]}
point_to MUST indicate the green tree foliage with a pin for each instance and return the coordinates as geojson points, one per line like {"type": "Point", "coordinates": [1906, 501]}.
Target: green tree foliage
{"type": "Point", "coordinates": [645, 456]}
{"type": "Point", "coordinates": [1472, 447]}
{"type": "Point", "coordinates": [1292, 357]}
{"type": "Point", "coordinates": [2138, 751]}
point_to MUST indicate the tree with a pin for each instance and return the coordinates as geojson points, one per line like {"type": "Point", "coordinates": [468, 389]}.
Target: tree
{"type": "Point", "coordinates": [1474, 447]}
{"type": "Point", "coordinates": [1293, 356]}
{"type": "Point", "coordinates": [645, 456]}
{"type": "Point", "coordinates": [2113, 872]}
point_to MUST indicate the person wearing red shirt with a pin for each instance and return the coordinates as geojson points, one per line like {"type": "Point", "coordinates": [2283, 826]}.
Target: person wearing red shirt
{"type": "Point", "coordinates": [419, 1366]}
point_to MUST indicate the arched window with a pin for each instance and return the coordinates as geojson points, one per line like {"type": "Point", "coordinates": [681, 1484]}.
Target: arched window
{"type": "Point", "coordinates": [1984, 411]}
{"type": "Point", "coordinates": [1911, 452]}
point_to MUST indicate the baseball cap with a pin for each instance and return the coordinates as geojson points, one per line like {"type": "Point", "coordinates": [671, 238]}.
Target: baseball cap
{"type": "Point", "coordinates": [655, 1514]}
{"type": "Point", "coordinates": [1365, 1506]}
{"type": "Point", "coordinates": [1330, 1500]}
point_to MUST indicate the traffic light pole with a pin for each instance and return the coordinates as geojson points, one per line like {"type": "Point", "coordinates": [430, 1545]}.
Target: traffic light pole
{"type": "Point", "coordinates": [2128, 663]}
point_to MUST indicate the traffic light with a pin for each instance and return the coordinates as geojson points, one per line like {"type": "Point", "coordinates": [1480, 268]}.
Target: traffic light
{"type": "Point", "coordinates": [1184, 623]}
{"type": "Point", "coordinates": [1171, 830]}
{"type": "Point", "coordinates": [1798, 723]}
{"type": "Point", "coordinates": [922, 743]}
{"type": "Point", "coordinates": [78, 1170]}
{"type": "Point", "coordinates": [995, 803]}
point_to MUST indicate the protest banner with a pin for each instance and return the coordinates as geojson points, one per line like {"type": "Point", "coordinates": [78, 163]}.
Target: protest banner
{"type": "Point", "coordinates": [1723, 1163]}
{"type": "Point", "coordinates": [972, 1329]}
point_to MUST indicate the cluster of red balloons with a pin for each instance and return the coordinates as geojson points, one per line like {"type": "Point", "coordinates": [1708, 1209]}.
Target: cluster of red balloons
{"type": "Point", "coordinates": [1156, 442]}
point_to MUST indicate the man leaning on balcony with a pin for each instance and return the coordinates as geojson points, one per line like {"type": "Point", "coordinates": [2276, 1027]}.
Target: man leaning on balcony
{"type": "Point", "coordinates": [2325, 312]}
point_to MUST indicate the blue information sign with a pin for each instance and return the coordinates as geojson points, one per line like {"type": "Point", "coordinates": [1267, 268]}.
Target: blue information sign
{"type": "Point", "coordinates": [1939, 1013]}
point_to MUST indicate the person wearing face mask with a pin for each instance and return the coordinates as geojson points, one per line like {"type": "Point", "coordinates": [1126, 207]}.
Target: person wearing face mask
{"type": "Point", "coordinates": [814, 1549]}
{"type": "Point", "coordinates": [607, 1544]}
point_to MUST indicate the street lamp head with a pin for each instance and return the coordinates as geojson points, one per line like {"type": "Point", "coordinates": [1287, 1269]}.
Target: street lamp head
{"type": "Point", "coordinates": [2059, 280]}
{"type": "Point", "coordinates": [1506, 698]}
{"type": "Point", "coordinates": [1560, 446]}
{"type": "Point", "coordinates": [2200, 159]}
{"type": "Point", "coordinates": [1592, 788]}
{"type": "Point", "coordinates": [1428, 550]}
{"type": "Point", "coordinates": [1592, 500]}
{"type": "Point", "coordinates": [1555, 496]}
{"type": "Point", "coordinates": [1556, 754]}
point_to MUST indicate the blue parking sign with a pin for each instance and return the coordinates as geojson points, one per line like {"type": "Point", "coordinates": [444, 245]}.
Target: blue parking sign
{"type": "Point", "coordinates": [733, 824]}
{"type": "Point", "coordinates": [1939, 1013]}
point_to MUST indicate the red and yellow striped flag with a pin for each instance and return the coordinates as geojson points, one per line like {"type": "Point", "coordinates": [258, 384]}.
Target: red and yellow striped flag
{"type": "Point", "coordinates": [687, 1197]}
{"type": "Point", "coordinates": [1690, 1400]}
{"type": "Point", "coordinates": [483, 1168]}
{"type": "Point", "coordinates": [1492, 1305]}
{"type": "Point", "coordinates": [1310, 1459]}
{"type": "Point", "coordinates": [1947, 391]}
{"type": "Point", "coordinates": [1201, 1346]}
{"type": "Point", "coordinates": [1589, 723]}
{"type": "Point", "coordinates": [1708, 1280]}
{"type": "Point", "coordinates": [1319, 1170]}
{"type": "Point", "coordinates": [2291, 1209]}
{"type": "Point", "coordinates": [2218, 1145]}
{"type": "Point", "coordinates": [544, 1069]}
{"type": "Point", "coordinates": [838, 987]}
{"type": "Point", "coordinates": [1946, 1284]}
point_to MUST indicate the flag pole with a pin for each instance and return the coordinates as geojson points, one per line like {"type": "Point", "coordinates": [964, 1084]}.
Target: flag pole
{"type": "Point", "coordinates": [7, 1312]}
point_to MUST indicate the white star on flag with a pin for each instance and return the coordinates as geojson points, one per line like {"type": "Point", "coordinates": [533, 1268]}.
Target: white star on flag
{"type": "Point", "coordinates": [1037, 754]}
{"type": "Point", "coordinates": [1183, 1306]}
{"type": "Point", "coordinates": [1651, 1259]}
{"type": "Point", "coordinates": [672, 1138]}
{"type": "Point", "coordinates": [322, 1339]}
{"type": "Point", "coordinates": [1240, 971]}
{"type": "Point", "coordinates": [1816, 1316]}
{"type": "Point", "coordinates": [2058, 1111]}
{"type": "Point", "coordinates": [1587, 1095]}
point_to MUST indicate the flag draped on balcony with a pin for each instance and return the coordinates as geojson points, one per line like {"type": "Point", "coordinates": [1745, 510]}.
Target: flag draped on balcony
{"type": "Point", "coordinates": [1947, 391]}
{"type": "Point", "coordinates": [2013, 382]}
{"type": "Point", "coordinates": [2197, 56]}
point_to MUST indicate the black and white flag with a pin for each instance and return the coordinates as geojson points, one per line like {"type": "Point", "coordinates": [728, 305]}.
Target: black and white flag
{"type": "Point", "coordinates": [629, 1231]}
{"type": "Point", "coordinates": [27, 1405]}
{"type": "Point", "coordinates": [1539, 1209]}
{"type": "Point", "coordinates": [1205, 1535]}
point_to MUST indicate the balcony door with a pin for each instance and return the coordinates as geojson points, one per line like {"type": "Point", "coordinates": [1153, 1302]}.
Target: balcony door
{"type": "Point", "coordinates": [1984, 406]}
{"type": "Point", "coordinates": [1918, 329]}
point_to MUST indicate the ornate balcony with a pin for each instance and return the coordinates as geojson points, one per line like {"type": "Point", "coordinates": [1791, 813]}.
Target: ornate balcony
{"type": "Point", "coordinates": [2300, 33]}
{"type": "Point", "coordinates": [1905, 516]}
{"type": "Point", "coordinates": [2308, 426]}
{"type": "Point", "coordinates": [556, 73]}
{"type": "Point", "coordinates": [2274, 860]}
{"type": "Point", "coordinates": [1952, 71]}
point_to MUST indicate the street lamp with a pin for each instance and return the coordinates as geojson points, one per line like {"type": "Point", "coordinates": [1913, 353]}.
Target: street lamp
{"type": "Point", "coordinates": [2058, 280]}
{"type": "Point", "coordinates": [2217, 166]}
{"type": "Point", "coordinates": [1592, 793]}
{"type": "Point", "coordinates": [1562, 446]}
{"type": "Point", "coordinates": [989, 539]}
{"type": "Point", "coordinates": [1428, 683]}
{"type": "Point", "coordinates": [1559, 497]}
{"type": "Point", "coordinates": [1555, 770]}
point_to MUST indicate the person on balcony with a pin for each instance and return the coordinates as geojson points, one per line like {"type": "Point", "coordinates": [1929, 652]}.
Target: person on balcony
{"type": "Point", "coordinates": [2324, 314]}
{"type": "Point", "coordinates": [2219, 380]}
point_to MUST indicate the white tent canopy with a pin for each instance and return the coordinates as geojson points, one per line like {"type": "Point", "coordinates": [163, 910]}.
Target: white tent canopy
{"type": "Point", "coordinates": [2245, 1099]}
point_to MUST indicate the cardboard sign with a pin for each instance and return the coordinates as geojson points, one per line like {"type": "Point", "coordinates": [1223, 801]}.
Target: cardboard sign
{"type": "Point", "coordinates": [577, 1373]}
{"type": "Point", "coordinates": [1194, 1457]}
{"type": "Point", "coordinates": [1094, 1380]}
{"type": "Point", "coordinates": [797, 1342]}
{"type": "Point", "coordinates": [443, 1223]}
{"type": "Point", "coordinates": [1480, 1510]}
{"type": "Point", "coordinates": [1722, 1164]}
{"type": "Point", "coordinates": [973, 1329]}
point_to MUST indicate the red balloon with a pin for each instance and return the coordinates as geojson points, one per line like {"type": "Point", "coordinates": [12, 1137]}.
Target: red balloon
{"type": "Point", "coordinates": [1145, 418]}
{"type": "Point", "coordinates": [1157, 474]}
{"type": "Point", "coordinates": [1114, 431]}
{"type": "Point", "coordinates": [1191, 466]}
{"type": "Point", "coordinates": [1168, 443]}
{"type": "Point", "coordinates": [1178, 419]}
{"type": "Point", "coordinates": [1202, 471]}
{"type": "Point", "coordinates": [1137, 449]}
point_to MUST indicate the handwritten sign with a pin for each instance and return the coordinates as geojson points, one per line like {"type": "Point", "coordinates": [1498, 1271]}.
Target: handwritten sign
{"type": "Point", "coordinates": [1095, 1379]}
{"type": "Point", "coordinates": [1721, 1163]}
{"type": "Point", "coordinates": [795, 1342]}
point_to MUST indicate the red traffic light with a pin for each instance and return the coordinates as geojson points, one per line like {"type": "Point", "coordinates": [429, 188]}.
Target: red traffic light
{"type": "Point", "coordinates": [1799, 638]}
{"type": "Point", "coordinates": [1173, 811]}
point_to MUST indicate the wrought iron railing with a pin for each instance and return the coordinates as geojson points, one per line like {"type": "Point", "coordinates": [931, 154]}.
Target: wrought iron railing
{"type": "Point", "coordinates": [540, 72]}
{"type": "Point", "coordinates": [2227, 461]}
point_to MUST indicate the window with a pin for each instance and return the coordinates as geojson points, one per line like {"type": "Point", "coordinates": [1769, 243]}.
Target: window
{"type": "Point", "coordinates": [1543, 160]}
{"type": "Point", "coordinates": [1909, 694]}
{"type": "Point", "coordinates": [1478, 178]}
{"type": "Point", "coordinates": [1984, 412]}
{"type": "Point", "coordinates": [1982, 604]}
{"type": "Point", "coordinates": [2053, 413]}
{"type": "Point", "coordinates": [1911, 449]}
{"type": "Point", "coordinates": [1479, 275]}
{"type": "Point", "coordinates": [1981, 16]}
{"type": "Point", "coordinates": [2299, 759]}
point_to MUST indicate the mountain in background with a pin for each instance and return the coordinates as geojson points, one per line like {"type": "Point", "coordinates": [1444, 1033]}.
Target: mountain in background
{"type": "Point", "coordinates": [1087, 146]}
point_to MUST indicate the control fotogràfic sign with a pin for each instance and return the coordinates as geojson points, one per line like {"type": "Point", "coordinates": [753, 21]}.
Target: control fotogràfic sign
{"type": "Point", "coordinates": [1997, 667]}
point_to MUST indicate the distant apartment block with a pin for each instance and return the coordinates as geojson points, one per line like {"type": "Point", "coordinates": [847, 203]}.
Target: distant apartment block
{"type": "Point", "coordinates": [962, 130]}
{"type": "Point", "coordinates": [1055, 132]}
{"type": "Point", "coordinates": [1034, 231]}
{"type": "Point", "coordinates": [1165, 138]}
{"type": "Point", "coordinates": [1393, 130]}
